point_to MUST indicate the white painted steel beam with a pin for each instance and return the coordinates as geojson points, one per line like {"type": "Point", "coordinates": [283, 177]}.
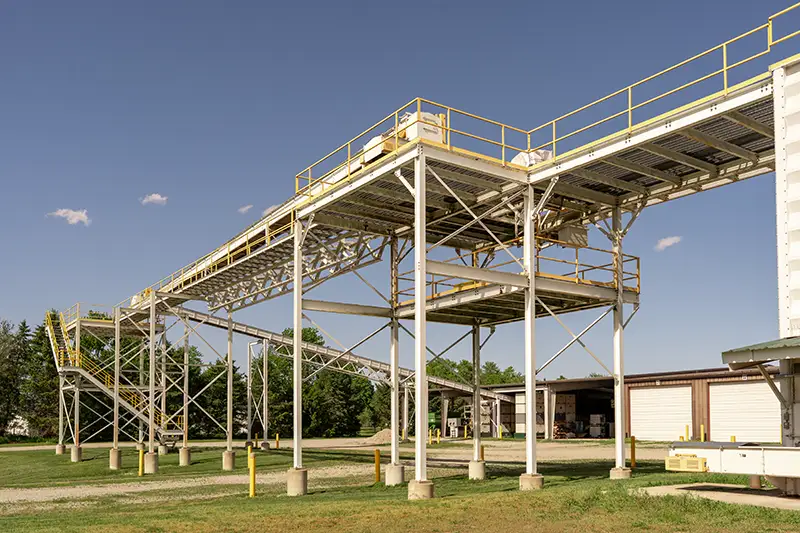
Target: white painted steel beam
{"type": "Point", "coordinates": [643, 170]}
{"type": "Point", "coordinates": [529, 234]}
{"type": "Point", "coordinates": [611, 182]}
{"type": "Point", "coordinates": [751, 124]}
{"type": "Point", "coordinates": [619, 358]}
{"type": "Point", "coordinates": [420, 326]}
{"type": "Point", "coordinates": [477, 274]}
{"type": "Point", "coordinates": [719, 144]}
{"type": "Point", "coordinates": [346, 308]}
{"type": "Point", "coordinates": [297, 346]}
{"type": "Point", "coordinates": [679, 157]}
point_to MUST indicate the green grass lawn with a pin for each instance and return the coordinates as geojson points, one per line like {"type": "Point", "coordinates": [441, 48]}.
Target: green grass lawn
{"type": "Point", "coordinates": [577, 497]}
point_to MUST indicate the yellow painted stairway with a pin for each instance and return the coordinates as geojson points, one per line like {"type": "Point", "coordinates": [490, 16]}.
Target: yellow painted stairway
{"type": "Point", "coordinates": [70, 360]}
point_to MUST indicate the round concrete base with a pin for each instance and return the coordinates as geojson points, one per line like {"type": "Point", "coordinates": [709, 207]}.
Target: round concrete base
{"type": "Point", "coordinates": [185, 456]}
{"type": "Point", "coordinates": [620, 473]}
{"type": "Point", "coordinates": [60, 449]}
{"type": "Point", "coordinates": [228, 460]}
{"type": "Point", "coordinates": [297, 482]}
{"type": "Point", "coordinates": [151, 463]}
{"type": "Point", "coordinates": [395, 475]}
{"type": "Point", "coordinates": [162, 449]}
{"type": "Point", "coordinates": [248, 444]}
{"type": "Point", "coordinates": [76, 454]}
{"type": "Point", "coordinates": [420, 490]}
{"type": "Point", "coordinates": [140, 446]}
{"type": "Point", "coordinates": [264, 446]}
{"type": "Point", "coordinates": [755, 482]}
{"type": "Point", "coordinates": [477, 470]}
{"type": "Point", "coordinates": [114, 458]}
{"type": "Point", "coordinates": [531, 482]}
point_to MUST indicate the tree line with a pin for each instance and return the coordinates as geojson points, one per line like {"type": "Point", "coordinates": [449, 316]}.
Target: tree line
{"type": "Point", "coordinates": [334, 404]}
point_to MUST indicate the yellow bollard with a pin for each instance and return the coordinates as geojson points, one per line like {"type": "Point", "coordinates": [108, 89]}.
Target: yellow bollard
{"type": "Point", "coordinates": [633, 451]}
{"type": "Point", "coordinates": [430, 436]}
{"type": "Point", "coordinates": [252, 464]}
{"type": "Point", "coordinates": [438, 436]}
{"type": "Point", "coordinates": [403, 435]}
{"type": "Point", "coordinates": [687, 433]}
{"type": "Point", "coordinates": [277, 441]}
{"type": "Point", "coordinates": [702, 433]}
{"type": "Point", "coordinates": [681, 438]}
{"type": "Point", "coordinates": [466, 431]}
{"type": "Point", "coordinates": [500, 432]}
{"type": "Point", "coordinates": [256, 439]}
{"type": "Point", "coordinates": [377, 466]}
{"type": "Point", "coordinates": [141, 463]}
{"type": "Point", "coordinates": [482, 452]}
{"type": "Point", "coordinates": [733, 438]}
{"type": "Point", "coordinates": [250, 457]}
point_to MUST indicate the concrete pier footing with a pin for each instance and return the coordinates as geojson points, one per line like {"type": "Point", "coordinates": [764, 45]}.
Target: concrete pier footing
{"type": "Point", "coordinates": [620, 473]}
{"type": "Point", "coordinates": [395, 475]}
{"type": "Point", "coordinates": [477, 470]}
{"type": "Point", "coordinates": [151, 463]}
{"type": "Point", "coordinates": [420, 490]}
{"type": "Point", "coordinates": [297, 482]}
{"type": "Point", "coordinates": [114, 458]}
{"type": "Point", "coordinates": [228, 460]}
{"type": "Point", "coordinates": [754, 482]}
{"type": "Point", "coordinates": [76, 454]}
{"type": "Point", "coordinates": [264, 446]}
{"type": "Point", "coordinates": [531, 482]}
{"type": "Point", "coordinates": [140, 446]}
{"type": "Point", "coordinates": [162, 449]}
{"type": "Point", "coordinates": [248, 444]}
{"type": "Point", "coordinates": [185, 457]}
{"type": "Point", "coordinates": [60, 448]}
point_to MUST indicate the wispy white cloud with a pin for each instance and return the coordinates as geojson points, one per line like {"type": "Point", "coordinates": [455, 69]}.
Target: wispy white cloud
{"type": "Point", "coordinates": [245, 208]}
{"type": "Point", "coordinates": [666, 242]}
{"type": "Point", "coordinates": [154, 198]}
{"type": "Point", "coordinates": [72, 216]}
{"type": "Point", "coordinates": [269, 210]}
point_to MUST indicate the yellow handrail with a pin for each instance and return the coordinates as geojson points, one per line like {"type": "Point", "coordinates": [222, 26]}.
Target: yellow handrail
{"type": "Point", "coordinates": [135, 399]}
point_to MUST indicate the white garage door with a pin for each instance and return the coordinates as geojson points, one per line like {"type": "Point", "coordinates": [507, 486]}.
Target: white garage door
{"type": "Point", "coordinates": [660, 413]}
{"type": "Point", "coordinates": [747, 410]}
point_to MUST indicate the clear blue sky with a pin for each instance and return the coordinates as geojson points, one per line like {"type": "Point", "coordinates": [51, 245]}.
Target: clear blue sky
{"type": "Point", "coordinates": [217, 105]}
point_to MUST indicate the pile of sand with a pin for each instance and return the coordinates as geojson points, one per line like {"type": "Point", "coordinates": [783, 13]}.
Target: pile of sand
{"type": "Point", "coordinates": [384, 436]}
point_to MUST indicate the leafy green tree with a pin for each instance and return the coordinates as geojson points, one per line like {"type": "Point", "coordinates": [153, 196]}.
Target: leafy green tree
{"type": "Point", "coordinates": [39, 387]}
{"type": "Point", "coordinates": [9, 375]}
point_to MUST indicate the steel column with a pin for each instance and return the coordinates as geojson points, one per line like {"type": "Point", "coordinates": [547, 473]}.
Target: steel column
{"type": "Point", "coordinates": [476, 394]}
{"type": "Point", "coordinates": [116, 375]}
{"type": "Point", "coordinates": [420, 322]}
{"type": "Point", "coordinates": [394, 357]}
{"type": "Point", "coordinates": [151, 416]}
{"type": "Point", "coordinates": [186, 385]}
{"type": "Point", "coordinates": [229, 426]}
{"type": "Point", "coordinates": [619, 373]}
{"type": "Point", "coordinates": [529, 230]}
{"type": "Point", "coordinates": [76, 412]}
{"type": "Point", "coordinates": [265, 387]}
{"type": "Point", "coordinates": [141, 387]}
{"type": "Point", "coordinates": [405, 412]}
{"type": "Point", "coordinates": [249, 392]}
{"type": "Point", "coordinates": [297, 344]}
{"type": "Point", "coordinates": [60, 409]}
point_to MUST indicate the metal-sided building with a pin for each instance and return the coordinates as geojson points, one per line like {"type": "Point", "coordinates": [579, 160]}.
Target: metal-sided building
{"type": "Point", "coordinates": [660, 406]}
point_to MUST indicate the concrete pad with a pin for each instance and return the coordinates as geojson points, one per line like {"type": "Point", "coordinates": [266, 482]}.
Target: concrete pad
{"type": "Point", "coordinates": [420, 490]}
{"type": "Point", "coordinates": [264, 446]}
{"type": "Point", "coordinates": [395, 475]}
{"type": "Point", "coordinates": [151, 463]}
{"type": "Point", "coordinates": [720, 492]}
{"type": "Point", "coordinates": [620, 473]}
{"type": "Point", "coordinates": [531, 482]}
{"type": "Point", "coordinates": [297, 482]}
{"type": "Point", "coordinates": [60, 448]}
{"type": "Point", "coordinates": [114, 458]}
{"type": "Point", "coordinates": [76, 454]}
{"type": "Point", "coordinates": [162, 449]}
{"type": "Point", "coordinates": [185, 457]}
{"type": "Point", "coordinates": [140, 446]}
{"type": "Point", "coordinates": [754, 482]}
{"type": "Point", "coordinates": [477, 470]}
{"type": "Point", "coordinates": [228, 460]}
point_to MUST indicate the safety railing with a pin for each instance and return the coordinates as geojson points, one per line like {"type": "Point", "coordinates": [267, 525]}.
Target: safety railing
{"type": "Point", "coordinates": [61, 353]}
{"type": "Point", "coordinates": [501, 142]}
{"type": "Point", "coordinates": [448, 126]}
{"type": "Point", "coordinates": [722, 72]}
{"type": "Point", "coordinates": [130, 395]}
{"type": "Point", "coordinates": [554, 259]}
{"type": "Point", "coordinates": [250, 241]}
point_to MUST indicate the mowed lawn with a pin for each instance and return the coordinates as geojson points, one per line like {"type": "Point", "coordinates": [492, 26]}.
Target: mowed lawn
{"type": "Point", "coordinates": [577, 497]}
